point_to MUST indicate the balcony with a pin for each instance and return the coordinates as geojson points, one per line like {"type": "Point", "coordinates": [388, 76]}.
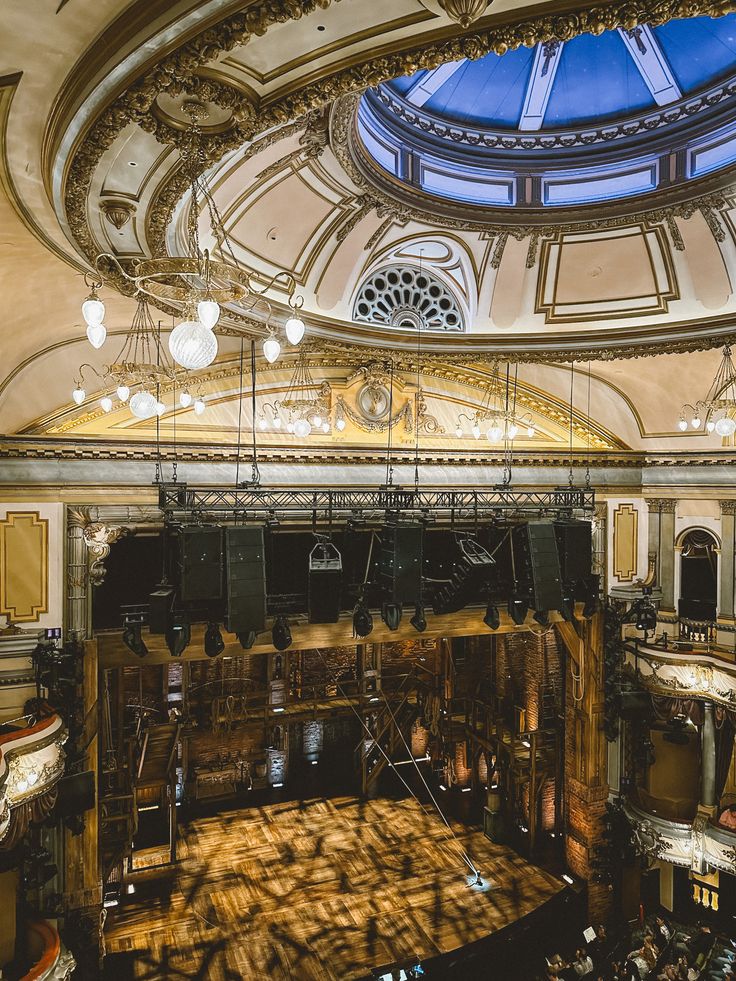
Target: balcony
{"type": "Point", "coordinates": [698, 673]}
{"type": "Point", "coordinates": [699, 845]}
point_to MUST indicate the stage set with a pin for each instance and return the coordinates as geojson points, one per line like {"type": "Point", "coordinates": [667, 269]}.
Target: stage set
{"type": "Point", "coordinates": [317, 889]}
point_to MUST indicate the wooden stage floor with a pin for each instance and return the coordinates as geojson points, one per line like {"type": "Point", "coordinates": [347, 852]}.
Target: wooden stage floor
{"type": "Point", "coordinates": [323, 888]}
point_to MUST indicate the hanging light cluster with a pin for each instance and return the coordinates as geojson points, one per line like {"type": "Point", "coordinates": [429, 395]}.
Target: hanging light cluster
{"type": "Point", "coordinates": [198, 283]}
{"type": "Point", "coordinates": [497, 416]}
{"type": "Point", "coordinates": [306, 403]}
{"type": "Point", "coordinates": [717, 411]}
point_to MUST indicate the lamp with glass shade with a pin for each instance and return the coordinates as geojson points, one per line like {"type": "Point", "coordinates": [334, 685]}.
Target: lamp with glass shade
{"type": "Point", "coordinates": [192, 345]}
{"type": "Point", "coordinates": [718, 408]}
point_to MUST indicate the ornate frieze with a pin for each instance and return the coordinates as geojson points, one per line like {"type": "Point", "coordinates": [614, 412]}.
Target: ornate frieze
{"type": "Point", "coordinates": [700, 847]}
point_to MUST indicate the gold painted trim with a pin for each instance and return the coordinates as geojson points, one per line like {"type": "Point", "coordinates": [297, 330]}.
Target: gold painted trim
{"type": "Point", "coordinates": [625, 552]}
{"type": "Point", "coordinates": [34, 610]}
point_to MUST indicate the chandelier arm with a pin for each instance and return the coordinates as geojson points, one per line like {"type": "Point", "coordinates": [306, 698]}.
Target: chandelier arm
{"type": "Point", "coordinates": [109, 257]}
{"type": "Point", "coordinates": [283, 275]}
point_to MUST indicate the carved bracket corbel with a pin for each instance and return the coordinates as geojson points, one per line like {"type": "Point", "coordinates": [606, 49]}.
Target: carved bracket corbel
{"type": "Point", "coordinates": [99, 538]}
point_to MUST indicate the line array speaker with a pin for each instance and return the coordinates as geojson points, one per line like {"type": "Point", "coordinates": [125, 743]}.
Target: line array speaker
{"type": "Point", "coordinates": [574, 547]}
{"type": "Point", "coordinates": [325, 583]}
{"type": "Point", "coordinates": [245, 579]}
{"type": "Point", "coordinates": [199, 561]}
{"type": "Point", "coordinates": [471, 574]}
{"type": "Point", "coordinates": [538, 565]}
{"type": "Point", "coordinates": [400, 563]}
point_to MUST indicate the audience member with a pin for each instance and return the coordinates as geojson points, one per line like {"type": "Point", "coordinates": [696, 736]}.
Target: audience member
{"type": "Point", "coordinates": [582, 965]}
{"type": "Point", "coordinates": [728, 817]}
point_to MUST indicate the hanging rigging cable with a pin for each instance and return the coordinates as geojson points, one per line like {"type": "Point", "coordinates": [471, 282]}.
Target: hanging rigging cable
{"type": "Point", "coordinates": [587, 426]}
{"type": "Point", "coordinates": [453, 837]}
{"type": "Point", "coordinates": [416, 394]}
{"type": "Point", "coordinates": [389, 467]}
{"type": "Point", "coordinates": [255, 476]}
{"type": "Point", "coordinates": [240, 416]}
{"type": "Point", "coordinates": [570, 477]}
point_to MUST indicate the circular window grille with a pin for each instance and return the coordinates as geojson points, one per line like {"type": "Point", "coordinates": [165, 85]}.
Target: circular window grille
{"type": "Point", "coordinates": [407, 298]}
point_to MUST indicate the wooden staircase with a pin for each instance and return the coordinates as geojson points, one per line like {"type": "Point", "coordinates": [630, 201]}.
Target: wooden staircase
{"type": "Point", "coordinates": [394, 721]}
{"type": "Point", "coordinates": [157, 755]}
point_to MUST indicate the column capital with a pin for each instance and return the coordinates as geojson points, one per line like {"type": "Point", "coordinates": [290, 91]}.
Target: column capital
{"type": "Point", "coordinates": [728, 507]}
{"type": "Point", "coordinates": [663, 505]}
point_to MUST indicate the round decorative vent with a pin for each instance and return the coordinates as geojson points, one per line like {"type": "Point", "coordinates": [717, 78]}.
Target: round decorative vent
{"type": "Point", "coordinates": [407, 298]}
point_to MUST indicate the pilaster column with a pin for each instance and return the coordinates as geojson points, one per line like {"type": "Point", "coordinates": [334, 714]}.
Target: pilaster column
{"type": "Point", "coordinates": [708, 757]}
{"type": "Point", "coordinates": [77, 607]}
{"type": "Point", "coordinates": [727, 559]}
{"type": "Point", "coordinates": [662, 543]}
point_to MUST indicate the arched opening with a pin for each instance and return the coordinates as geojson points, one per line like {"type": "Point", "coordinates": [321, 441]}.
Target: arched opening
{"type": "Point", "coordinates": [698, 576]}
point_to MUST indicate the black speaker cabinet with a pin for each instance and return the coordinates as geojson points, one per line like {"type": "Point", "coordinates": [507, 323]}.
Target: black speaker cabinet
{"type": "Point", "coordinates": [575, 548]}
{"type": "Point", "coordinates": [325, 583]}
{"type": "Point", "coordinates": [76, 794]}
{"type": "Point", "coordinates": [538, 565]}
{"type": "Point", "coordinates": [160, 605]}
{"type": "Point", "coordinates": [245, 577]}
{"type": "Point", "coordinates": [400, 563]}
{"type": "Point", "coordinates": [199, 559]}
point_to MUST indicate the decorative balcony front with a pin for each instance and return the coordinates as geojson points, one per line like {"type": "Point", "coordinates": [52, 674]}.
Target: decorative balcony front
{"type": "Point", "coordinates": [690, 674]}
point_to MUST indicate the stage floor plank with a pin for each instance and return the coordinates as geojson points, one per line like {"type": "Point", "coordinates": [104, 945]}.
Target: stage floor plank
{"type": "Point", "coordinates": [320, 889]}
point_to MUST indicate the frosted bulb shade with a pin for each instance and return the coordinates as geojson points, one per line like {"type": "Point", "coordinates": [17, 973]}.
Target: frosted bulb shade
{"type": "Point", "coordinates": [143, 405]}
{"type": "Point", "coordinates": [96, 334]}
{"type": "Point", "coordinates": [710, 425]}
{"type": "Point", "coordinates": [123, 393]}
{"type": "Point", "coordinates": [261, 424]}
{"type": "Point", "coordinates": [290, 427]}
{"type": "Point", "coordinates": [208, 312]}
{"type": "Point", "coordinates": [106, 404]}
{"type": "Point", "coordinates": [160, 408]}
{"type": "Point", "coordinates": [271, 349]}
{"type": "Point", "coordinates": [199, 406]}
{"type": "Point", "coordinates": [317, 421]}
{"type": "Point", "coordinates": [185, 400]}
{"type": "Point", "coordinates": [695, 422]}
{"type": "Point", "coordinates": [494, 434]}
{"type": "Point", "coordinates": [93, 311]}
{"type": "Point", "coordinates": [340, 424]}
{"type": "Point", "coordinates": [79, 395]}
{"type": "Point", "coordinates": [192, 345]}
{"type": "Point", "coordinates": [458, 432]}
{"type": "Point", "coordinates": [476, 432]}
{"type": "Point", "coordinates": [513, 432]}
{"type": "Point", "coordinates": [530, 431]}
{"type": "Point", "coordinates": [682, 425]}
{"type": "Point", "coordinates": [325, 427]}
{"type": "Point", "coordinates": [277, 422]}
{"type": "Point", "coordinates": [294, 328]}
{"type": "Point", "coordinates": [302, 427]}
{"type": "Point", "coordinates": [726, 426]}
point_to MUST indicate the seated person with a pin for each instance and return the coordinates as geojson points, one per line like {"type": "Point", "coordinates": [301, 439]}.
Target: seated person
{"type": "Point", "coordinates": [668, 973]}
{"type": "Point", "coordinates": [728, 817]}
{"type": "Point", "coordinates": [701, 944]}
{"type": "Point", "coordinates": [649, 952]}
{"type": "Point", "coordinates": [583, 964]}
{"type": "Point", "coordinates": [631, 970]}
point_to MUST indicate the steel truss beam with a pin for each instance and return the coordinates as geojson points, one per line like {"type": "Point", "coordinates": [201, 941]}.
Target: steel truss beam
{"type": "Point", "coordinates": [179, 502]}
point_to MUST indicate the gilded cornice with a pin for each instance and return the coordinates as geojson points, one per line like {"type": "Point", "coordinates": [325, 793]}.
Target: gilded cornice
{"type": "Point", "coordinates": [178, 73]}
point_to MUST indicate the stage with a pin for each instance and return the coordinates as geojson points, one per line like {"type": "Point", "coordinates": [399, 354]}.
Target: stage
{"type": "Point", "coordinates": [315, 889]}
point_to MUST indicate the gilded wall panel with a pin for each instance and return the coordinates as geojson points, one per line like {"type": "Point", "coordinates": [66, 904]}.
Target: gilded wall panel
{"type": "Point", "coordinates": [24, 580]}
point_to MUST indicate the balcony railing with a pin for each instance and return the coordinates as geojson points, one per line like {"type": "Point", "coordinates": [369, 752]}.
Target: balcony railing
{"type": "Point", "coordinates": [682, 674]}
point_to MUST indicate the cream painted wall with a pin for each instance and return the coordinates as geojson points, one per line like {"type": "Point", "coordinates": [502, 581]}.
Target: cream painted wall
{"type": "Point", "coordinates": [642, 534]}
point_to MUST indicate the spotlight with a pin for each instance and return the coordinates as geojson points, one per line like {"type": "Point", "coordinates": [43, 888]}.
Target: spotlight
{"type": "Point", "coordinates": [281, 634]}
{"type": "Point", "coordinates": [362, 620]}
{"type": "Point", "coordinates": [518, 609]}
{"type": "Point", "coordinates": [213, 642]}
{"type": "Point", "coordinates": [419, 621]}
{"type": "Point", "coordinates": [391, 615]}
{"type": "Point", "coordinates": [492, 619]}
{"type": "Point", "coordinates": [646, 617]}
{"type": "Point", "coordinates": [132, 635]}
{"type": "Point", "coordinates": [567, 609]}
{"type": "Point", "coordinates": [542, 617]}
{"type": "Point", "coordinates": [247, 639]}
{"type": "Point", "coordinates": [178, 635]}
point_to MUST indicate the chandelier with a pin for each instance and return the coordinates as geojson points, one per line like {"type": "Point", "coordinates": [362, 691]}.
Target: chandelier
{"type": "Point", "coordinates": [717, 410]}
{"type": "Point", "coordinates": [306, 402]}
{"type": "Point", "coordinates": [139, 371]}
{"type": "Point", "coordinates": [199, 284]}
{"type": "Point", "coordinates": [497, 415]}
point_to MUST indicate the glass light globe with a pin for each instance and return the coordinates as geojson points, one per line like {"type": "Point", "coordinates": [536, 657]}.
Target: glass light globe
{"type": "Point", "coordinates": [96, 334]}
{"type": "Point", "coordinates": [325, 427]}
{"type": "Point", "coordinates": [185, 400]}
{"type": "Point", "coordinates": [123, 393]}
{"type": "Point", "coordinates": [199, 406]}
{"type": "Point", "coordinates": [271, 349]}
{"type": "Point", "coordinates": [318, 420]}
{"type": "Point", "coordinates": [710, 425]}
{"type": "Point", "coordinates": [294, 328]}
{"type": "Point", "coordinates": [290, 427]}
{"type": "Point", "coordinates": [302, 427]}
{"type": "Point", "coordinates": [262, 423]}
{"type": "Point", "coordinates": [459, 431]}
{"type": "Point", "coordinates": [79, 395]}
{"type": "Point", "coordinates": [513, 431]}
{"type": "Point", "coordinates": [143, 405]}
{"type": "Point", "coordinates": [494, 433]}
{"type": "Point", "coordinates": [93, 310]}
{"type": "Point", "coordinates": [192, 345]}
{"type": "Point", "coordinates": [160, 408]}
{"type": "Point", "coordinates": [106, 403]}
{"type": "Point", "coordinates": [530, 431]}
{"type": "Point", "coordinates": [208, 312]}
{"type": "Point", "coordinates": [277, 422]}
{"type": "Point", "coordinates": [476, 431]}
{"type": "Point", "coordinates": [682, 425]}
{"type": "Point", "coordinates": [695, 422]}
{"type": "Point", "coordinates": [340, 424]}
{"type": "Point", "coordinates": [726, 426]}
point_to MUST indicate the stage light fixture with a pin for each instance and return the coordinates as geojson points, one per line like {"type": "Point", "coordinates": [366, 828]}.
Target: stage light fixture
{"type": "Point", "coordinates": [542, 617]}
{"type": "Point", "coordinates": [281, 634]}
{"type": "Point", "coordinates": [419, 621]}
{"type": "Point", "coordinates": [132, 636]}
{"type": "Point", "coordinates": [518, 609]}
{"type": "Point", "coordinates": [247, 639]}
{"type": "Point", "coordinates": [492, 619]}
{"type": "Point", "coordinates": [391, 615]}
{"type": "Point", "coordinates": [178, 634]}
{"type": "Point", "coordinates": [213, 642]}
{"type": "Point", "coordinates": [567, 609]}
{"type": "Point", "coordinates": [592, 601]}
{"type": "Point", "coordinates": [646, 617]}
{"type": "Point", "coordinates": [362, 620]}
